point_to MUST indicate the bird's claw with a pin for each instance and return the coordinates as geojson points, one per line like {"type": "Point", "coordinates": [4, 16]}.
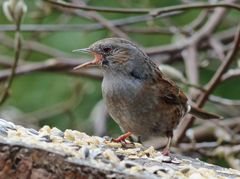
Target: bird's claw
{"type": "Point", "coordinates": [122, 138]}
{"type": "Point", "coordinates": [166, 152]}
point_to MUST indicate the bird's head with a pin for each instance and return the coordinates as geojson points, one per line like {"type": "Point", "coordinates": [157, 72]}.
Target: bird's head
{"type": "Point", "coordinates": [113, 54]}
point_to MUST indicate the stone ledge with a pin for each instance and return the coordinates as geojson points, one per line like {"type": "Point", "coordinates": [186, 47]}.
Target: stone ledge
{"type": "Point", "coordinates": [51, 153]}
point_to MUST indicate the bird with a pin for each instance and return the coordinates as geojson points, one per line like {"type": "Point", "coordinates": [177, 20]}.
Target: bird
{"type": "Point", "coordinates": [141, 99]}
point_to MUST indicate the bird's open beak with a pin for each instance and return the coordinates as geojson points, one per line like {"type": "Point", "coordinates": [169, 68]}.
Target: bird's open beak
{"type": "Point", "coordinates": [97, 58]}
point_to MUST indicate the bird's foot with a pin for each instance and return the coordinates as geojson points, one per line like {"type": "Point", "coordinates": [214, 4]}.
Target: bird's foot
{"type": "Point", "coordinates": [122, 138]}
{"type": "Point", "coordinates": [166, 152]}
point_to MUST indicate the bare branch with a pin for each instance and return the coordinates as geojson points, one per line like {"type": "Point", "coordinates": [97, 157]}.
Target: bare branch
{"type": "Point", "coordinates": [198, 22]}
{"type": "Point", "coordinates": [64, 66]}
{"type": "Point", "coordinates": [80, 27]}
{"type": "Point", "coordinates": [191, 63]}
{"type": "Point", "coordinates": [224, 66]}
{"type": "Point", "coordinates": [217, 47]}
{"type": "Point", "coordinates": [148, 30]}
{"type": "Point", "coordinates": [153, 12]}
{"type": "Point", "coordinates": [18, 43]}
{"type": "Point", "coordinates": [211, 85]}
{"type": "Point", "coordinates": [159, 11]}
{"type": "Point", "coordinates": [99, 9]}
{"type": "Point", "coordinates": [33, 45]}
{"type": "Point", "coordinates": [224, 37]}
{"type": "Point", "coordinates": [224, 101]}
{"type": "Point", "coordinates": [230, 74]}
{"type": "Point", "coordinates": [105, 22]}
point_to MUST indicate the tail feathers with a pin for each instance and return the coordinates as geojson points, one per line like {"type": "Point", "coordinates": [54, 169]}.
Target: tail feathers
{"type": "Point", "coordinates": [203, 114]}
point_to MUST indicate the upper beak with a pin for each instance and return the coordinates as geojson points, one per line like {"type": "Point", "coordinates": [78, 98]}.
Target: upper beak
{"type": "Point", "coordinates": [84, 50]}
{"type": "Point", "coordinates": [96, 61]}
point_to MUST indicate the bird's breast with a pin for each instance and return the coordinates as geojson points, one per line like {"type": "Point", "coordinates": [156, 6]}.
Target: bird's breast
{"type": "Point", "coordinates": [127, 104]}
{"type": "Point", "coordinates": [121, 92]}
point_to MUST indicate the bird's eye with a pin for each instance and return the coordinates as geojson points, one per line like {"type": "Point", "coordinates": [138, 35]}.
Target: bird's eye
{"type": "Point", "coordinates": [107, 49]}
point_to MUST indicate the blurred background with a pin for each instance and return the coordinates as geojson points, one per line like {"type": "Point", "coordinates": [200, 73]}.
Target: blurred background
{"type": "Point", "coordinates": [191, 44]}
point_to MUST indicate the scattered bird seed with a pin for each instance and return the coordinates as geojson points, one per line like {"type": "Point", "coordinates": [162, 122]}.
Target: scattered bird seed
{"type": "Point", "coordinates": [94, 153]}
{"type": "Point", "coordinates": [185, 170]}
{"type": "Point", "coordinates": [176, 161]}
{"type": "Point", "coordinates": [154, 169]}
{"type": "Point", "coordinates": [7, 124]}
{"type": "Point", "coordinates": [3, 131]}
{"type": "Point", "coordinates": [129, 163]}
{"type": "Point", "coordinates": [109, 154]}
{"type": "Point", "coordinates": [33, 131]}
{"type": "Point", "coordinates": [46, 138]}
{"type": "Point", "coordinates": [84, 151]}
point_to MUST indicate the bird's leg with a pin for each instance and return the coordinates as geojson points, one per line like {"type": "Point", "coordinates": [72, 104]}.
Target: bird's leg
{"type": "Point", "coordinates": [131, 139]}
{"type": "Point", "coordinates": [139, 139]}
{"type": "Point", "coordinates": [166, 150]}
{"type": "Point", "coordinates": [122, 138]}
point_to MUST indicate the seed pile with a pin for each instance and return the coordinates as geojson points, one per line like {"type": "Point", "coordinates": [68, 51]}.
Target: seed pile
{"type": "Point", "coordinates": [101, 153]}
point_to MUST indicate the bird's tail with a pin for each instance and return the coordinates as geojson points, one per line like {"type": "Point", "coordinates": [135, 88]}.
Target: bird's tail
{"type": "Point", "coordinates": [203, 114]}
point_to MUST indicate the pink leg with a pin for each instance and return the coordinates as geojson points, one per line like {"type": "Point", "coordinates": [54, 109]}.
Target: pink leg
{"type": "Point", "coordinates": [122, 138]}
{"type": "Point", "coordinates": [166, 150]}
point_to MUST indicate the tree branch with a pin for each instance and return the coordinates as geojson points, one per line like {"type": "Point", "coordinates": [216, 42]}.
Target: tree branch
{"type": "Point", "coordinates": [85, 27]}
{"type": "Point", "coordinates": [211, 85]}
{"type": "Point", "coordinates": [64, 66]}
{"type": "Point", "coordinates": [105, 22]}
{"type": "Point", "coordinates": [230, 74]}
{"type": "Point", "coordinates": [153, 12]}
{"type": "Point", "coordinates": [99, 9]}
{"type": "Point", "coordinates": [17, 49]}
{"type": "Point", "coordinates": [159, 11]}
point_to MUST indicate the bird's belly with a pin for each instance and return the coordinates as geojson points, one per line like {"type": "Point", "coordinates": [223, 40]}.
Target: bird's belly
{"type": "Point", "coordinates": [139, 114]}
{"type": "Point", "coordinates": [141, 121]}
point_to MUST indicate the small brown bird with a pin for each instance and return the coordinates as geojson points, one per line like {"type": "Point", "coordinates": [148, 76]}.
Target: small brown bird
{"type": "Point", "coordinates": [139, 97]}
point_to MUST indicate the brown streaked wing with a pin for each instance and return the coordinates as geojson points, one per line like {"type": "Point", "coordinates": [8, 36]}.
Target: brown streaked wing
{"type": "Point", "coordinates": [166, 89]}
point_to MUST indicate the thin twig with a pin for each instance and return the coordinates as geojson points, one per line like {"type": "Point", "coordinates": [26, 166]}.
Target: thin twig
{"type": "Point", "coordinates": [232, 161]}
{"type": "Point", "coordinates": [217, 47]}
{"type": "Point", "coordinates": [224, 101]}
{"type": "Point", "coordinates": [159, 11]}
{"type": "Point", "coordinates": [191, 63]}
{"type": "Point", "coordinates": [61, 66]}
{"type": "Point", "coordinates": [102, 20]}
{"type": "Point", "coordinates": [79, 27]}
{"type": "Point", "coordinates": [33, 45]}
{"type": "Point", "coordinates": [198, 22]}
{"type": "Point", "coordinates": [230, 74]}
{"type": "Point", "coordinates": [100, 9]}
{"type": "Point", "coordinates": [153, 12]}
{"type": "Point", "coordinates": [15, 63]}
{"type": "Point", "coordinates": [6, 61]}
{"type": "Point", "coordinates": [148, 30]}
{"type": "Point", "coordinates": [207, 131]}
{"type": "Point", "coordinates": [224, 37]}
{"type": "Point", "coordinates": [106, 23]}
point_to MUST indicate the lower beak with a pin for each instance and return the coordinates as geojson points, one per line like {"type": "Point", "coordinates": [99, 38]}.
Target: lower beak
{"type": "Point", "coordinates": [97, 58]}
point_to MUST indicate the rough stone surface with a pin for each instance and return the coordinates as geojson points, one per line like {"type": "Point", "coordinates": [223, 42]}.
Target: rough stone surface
{"type": "Point", "coordinates": [51, 153]}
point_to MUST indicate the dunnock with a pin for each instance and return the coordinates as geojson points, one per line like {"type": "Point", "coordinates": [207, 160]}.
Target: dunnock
{"type": "Point", "coordinates": [139, 97]}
